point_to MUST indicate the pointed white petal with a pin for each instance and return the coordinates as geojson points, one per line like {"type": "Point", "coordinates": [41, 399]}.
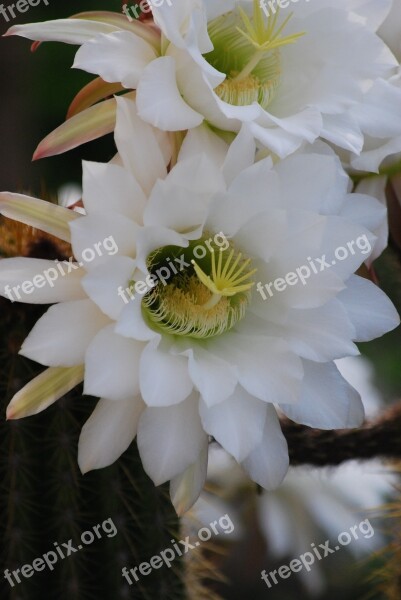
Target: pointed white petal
{"type": "Point", "coordinates": [112, 366]}
{"type": "Point", "coordinates": [229, 212]}
{"type": "Point", "coordinates": [167, 111]}
{"type": "Point", "coordinates": [138, 146]}
{"type": "Point", "coordinates": [362, 299]}
{"type": "Point", "coordinates": [203, 140]}
{"type": "Point", "coordinates": [39, 281]}
{"type": "Point", "coordinates": [321, 334]}
{"type": "Point", "coordinates": [186, 488]}
{"type": "Point", "coordinates": [268, 463]}
{"type": "Point", "coordinates": [120, 22]}
{"type": "Point", "coordinates": [44, 390]}
{"type": "Point", "coordinates": [240, 155]}
{"type": "Point", "coordinates": [88, 125]}
{"type": "Point", "coordinates": [214, 377]}
{"type": "Point", "coordinates": [131, 323]}
{"type": "Point", "coordinates": [170, 439]}
{"type": "Point", "coordinates": [267, 368]}
{"type": "Point", "coordinates": [116, 57]}
{"type": "Point", "coordinates": [108, 432]}
{"type": "Point", "coordinates": [372, 214]}
{"type": "Point", "coordinates": [98, 237]}
{"type": "Point", "coordinates": [69, 31]}
{"type": "Point", "coordinates": [324, 183]}
{"type": "Point", "coordinates": [172, 384]}
{"type": "Point", "coordinates": [237, 423]}
{"type": "Point", "coordinates": [327, 400]}
{"type": "Point", "coordinates": [106, 284]}
{"type": "Point", "coordinates": [110, 188]}
{"type": "Point", "coordinates": [61, 336]}
{"type": "Point", "coordinates": [42, 215]}
{"type": "Point", "coordinates": [180, 202]}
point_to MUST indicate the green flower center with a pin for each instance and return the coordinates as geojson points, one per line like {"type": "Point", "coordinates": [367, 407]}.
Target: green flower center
{"type": "Point", "coordinates": [249, 55]}
{"type": "Point", "coordinates": [203, 292]}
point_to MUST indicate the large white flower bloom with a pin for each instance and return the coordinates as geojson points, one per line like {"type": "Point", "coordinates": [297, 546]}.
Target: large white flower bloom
{"type": "Point", "coordinates": [291, 79]}
{"type": "Point", "coordinates": [199, 351]}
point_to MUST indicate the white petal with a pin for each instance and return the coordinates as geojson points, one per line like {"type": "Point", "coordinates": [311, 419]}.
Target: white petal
{"type": "Point", "coordinates": [131, 323]}
{"type": "Point", "coordinates": [44, 390]}
{"type": "Point", "coordinates": [167, 111]}
{"type": "Point", "coordinates": [108, 433]}
{"type": "Point", "coordinates": [229, 212]}
{"type": "Point", "coordinates": [185, 488]}
{"type": "Point", "coordinates": [42, 215]}
{"type": "Point", "coordinates": [172, 383]}
{"type": "Point", "coordinates": [69, 31]}
{"type": "Point", "coordinates": [314, 182]}
{"type": "Point", "coordinates": [110, 188]}
{"type": "Point", "coordinates": [261, 235]}
{"type": "Point", "coordinates": [97, 237]}
{"type": "Point", "coordinates": [179, 202]}
{"type": "Point", "coordinates": [198, 174]}
{"type": "Point", "coordinates": [237, 423]}
{"type": "Point", "coordinates": [379, 115]}
{"type": "Point", "coordinates": [150, 238]}
{"type": "Point", "coordinates": [284, 136]}
{"type": "Point", "coordinates": [327, 400]}
{"type": "Point", "coordinates": [268, 462]}
{"type": "Point", "coordinates": [138, 146]}
{"type": "Point", "coordinates": [214, 377]}
{"type": "Point", "coordinates": [321, 334]}
{"type": "Point", "coordinates": [241, 154]}
{"type": "Point", "coordinates": [372, 214]}
{"type": "Point", "coordinates": [112, 366]}
{"type": "Point", "coordinates": [276, 140]}
{"type": "Point", "coordinates": [343, 131]}
{"type": "Point", "coordinates": [39, 281]}
{"type": "Point", "coordinates": [267, 368]}
{"type": "Point", "coordinates": [170, 439]}
{"type": "Point", "coordinates": [371, 312]}
{"type": "Point", "coordinates": [61, 336]}
{"type": "Point", "coordinates": [116, 57]}
{"type": "Point", "coordinates": [371, 160]}
{"type": "Point", "coordinates": [203, 140]}
{"type": "Point", "coordinates": [106, 284]}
